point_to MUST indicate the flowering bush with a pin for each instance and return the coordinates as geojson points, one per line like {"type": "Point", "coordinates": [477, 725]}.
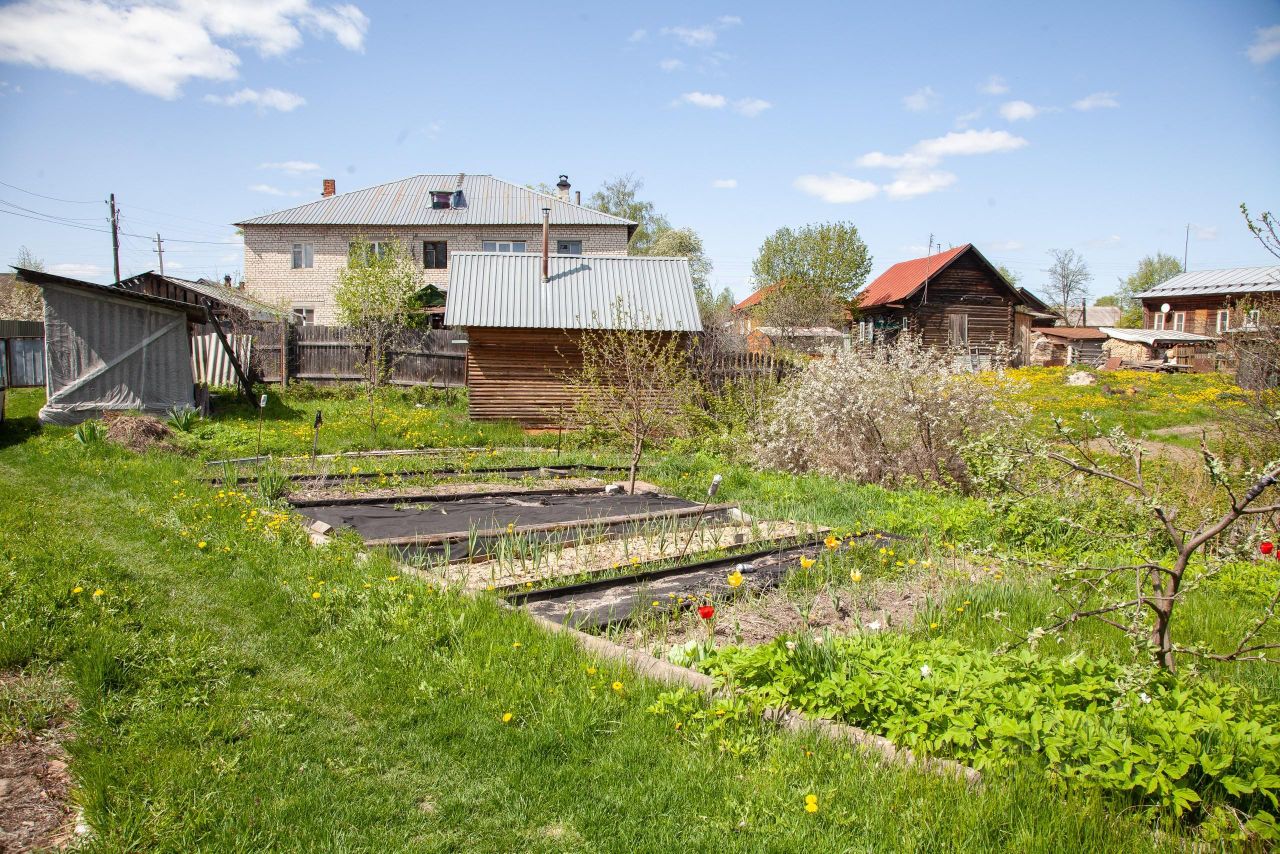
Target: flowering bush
{"type": "Point", "coordinates": [886, 413]}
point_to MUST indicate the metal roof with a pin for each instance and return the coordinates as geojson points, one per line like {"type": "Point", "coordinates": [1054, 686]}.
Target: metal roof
{"type": "Point", "coordinates": [486, 200]}
{"type": "Point", "coordinates": [43, 279]}
{"type": "Point", "coordinates": [1152, 336]}
{"type": "Point", "coordinates": [1236, 280]}
{"type": "Point", "coordinates": [505, 289]}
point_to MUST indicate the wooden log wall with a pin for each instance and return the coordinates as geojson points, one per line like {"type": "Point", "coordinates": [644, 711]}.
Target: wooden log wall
{"type": "Point", "coordinates": [965, 287]}
{"type": "Point", "coordinates": [519, 374]}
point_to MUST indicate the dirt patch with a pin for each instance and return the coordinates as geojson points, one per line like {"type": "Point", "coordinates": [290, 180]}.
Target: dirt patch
{"type": "Point", "coordinates": [137, 432]}
{"type": "Point", "coordinates": [1153, 449]}
{"type": "Point", "coordinates": [322, 492]}
{"type": "Point", "coordinates": [35, 809]}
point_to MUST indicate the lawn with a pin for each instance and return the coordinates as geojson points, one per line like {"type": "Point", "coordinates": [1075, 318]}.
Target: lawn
{"type": "Point", "coordinates": [232, 687]}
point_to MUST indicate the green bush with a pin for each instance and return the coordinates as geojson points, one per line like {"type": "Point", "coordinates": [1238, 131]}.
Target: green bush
{"type": "Point", "coordinates": [1191, 747]}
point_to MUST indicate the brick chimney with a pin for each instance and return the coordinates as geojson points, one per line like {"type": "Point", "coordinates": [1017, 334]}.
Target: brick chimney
{"type": "Point", "coordinates": [330, 187]}
{"type": "Point", "coordinates": [562, 186]}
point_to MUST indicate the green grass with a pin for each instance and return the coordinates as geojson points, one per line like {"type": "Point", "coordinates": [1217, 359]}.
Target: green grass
{"type": "Point", "coordinates": [221, 706]}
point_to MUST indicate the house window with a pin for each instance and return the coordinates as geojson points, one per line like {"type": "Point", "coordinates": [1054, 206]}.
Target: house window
{"type": "Point", "coordinates": [502, 245]}
{"type": "Point", "coordinates": [1251, 319]}
{"type": "Point", "coordinates": [1224, 319]}
{"type": "Point", "coordinates": [1179, 321]}
{"type": "Point", "coordinates": [377, 249]}
{"type": "Point", "coordinates": [435, 254]}
{"type": "Point", "coordinates": [958, 330]}
{"type": "Point", "coordinates": [1157, 320]}
{"type": "Point", "coordinates": [304, 316]}
{"type": "Point", "coordinates": [568, 247]}
{"type": "Point", "coordinates": [304, 256]}
{"type": "Point", "coordinates": [441, 199]}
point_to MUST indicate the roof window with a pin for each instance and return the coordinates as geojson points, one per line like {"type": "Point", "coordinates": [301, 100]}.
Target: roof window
{"type": "Point", "coordinates": [441, 199]}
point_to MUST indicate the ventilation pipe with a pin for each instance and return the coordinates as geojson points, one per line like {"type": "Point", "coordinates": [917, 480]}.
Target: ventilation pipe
{"type": "Point", "coordinates": [546, 244]}
{"type": "Point", "coordinates": [563, 187]}
{"type": "Point", "coordinates": [577, 198]}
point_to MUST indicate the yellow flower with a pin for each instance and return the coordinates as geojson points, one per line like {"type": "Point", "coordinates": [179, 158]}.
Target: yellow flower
{"type": "Point", "coordinates": [810, 803]}
{"type": "Point", "coordinates": [806, 562]}
{"type": "Point", "coordinates": [735, 579]}
{"type": "Point", "coordinates": [911, 561]}
{"type": "Point", "coordinates": [855, 576]}
{"type": "Point", "coordinates": [506, 718]}
{"type": "Point", "coordinates": [591, 671]}
{"type": "Point", "coordinates": [655, 603]}
{"type": "Point", "coordinates": [98, 592]}
{"type": "Point", "coordinates": [393, 578]}
{"type": "Point", "coordinates": [617, 686]}
{"type": "Point", "coordinates": [77, 589]}
{"type": "Point", "coordinates": [831, 542]}
{"type": "Point", "coordinates": [202, 544]}
{"type": "Point", "coordinates": [933, 625]}
{"type": "Point", "coordinates": [315, 595]}
{"type": "Point", "coordinates": [516, 645]}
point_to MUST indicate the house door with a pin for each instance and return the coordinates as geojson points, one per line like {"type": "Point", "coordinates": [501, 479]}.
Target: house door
{"type": "Point", "coordinates": [958, 330]}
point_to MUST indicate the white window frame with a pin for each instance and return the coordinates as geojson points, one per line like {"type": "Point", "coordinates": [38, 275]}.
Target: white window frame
{"type": "Point", "coordinates": [498, 244]}
{"type": "Point", "coordinates": [378, 248]}
{"type": "Point", "coordinates": [574, 240]}
{"type": "Point", "coordinates": [1224, 320]}
{"type": "Point", "coordinates": [1179, 321]}
{"type": "Point", "coordinates": [302, 256]}
{"type": "Point", "coordinates": [1157, 321]}
{"type": "Point", "coordinates": [300, 313]}
{"type": "Point", "coordinates": [1251, 319]}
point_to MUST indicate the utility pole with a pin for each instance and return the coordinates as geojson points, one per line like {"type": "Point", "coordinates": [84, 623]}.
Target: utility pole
{"type": "Point", "coordinates": [160, 251]}
{"type": "Point", "coordinates": [1185, 244]}
{"type": "Point", "coordinates": [115, 236]}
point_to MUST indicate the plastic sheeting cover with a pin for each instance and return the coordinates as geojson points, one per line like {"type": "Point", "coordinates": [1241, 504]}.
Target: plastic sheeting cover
{"type": "Point", "coordinates": [104, 352]}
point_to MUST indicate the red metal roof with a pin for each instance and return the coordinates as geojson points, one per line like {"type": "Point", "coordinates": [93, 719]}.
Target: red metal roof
{"type": "Point", "coordinates": [755, 298]}
{"type": "Point", "coordinates": [904, 278]}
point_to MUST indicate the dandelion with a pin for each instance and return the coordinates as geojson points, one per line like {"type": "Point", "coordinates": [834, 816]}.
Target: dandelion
{"type": "Point", "coordinates": [855, 576]}
{"type": "Point", "coordinates": [591, 671]}
{"type": "Point", "coordinates": [911, 561]}
{"type": "Point", "coordinates": [77, 589]}
{"type": "Point", "coordinates": [656, 603]}
{"type": "Point", "coordinates": [735, 579]}
{"type": "Point", "coordinates": [933, 626]}
{"type": "Point", "coordinates": [832, 542]}
{"type": "Point", "coordinates": [617, 686]}
{"type": "Point", "coordinates": [516, 645]}
{"type": "Point", "coordinates": [506, 717]}
{"type": "Point", "coordinates": [315, 595]}
{"type": "Point", "coordinates": [393, 578]}
{"type": "Point", "coordinates": [202, 544]}
{"type": "Point", "coordinates": [806, 562]}
{"type": "Point", "coordinates": [810, 803]}
{"type": "Point", "coordinates": [99, 592]}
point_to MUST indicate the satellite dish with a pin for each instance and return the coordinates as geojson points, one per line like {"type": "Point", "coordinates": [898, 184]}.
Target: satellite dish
{"type": "Point", "coordinates": [1164, 308]}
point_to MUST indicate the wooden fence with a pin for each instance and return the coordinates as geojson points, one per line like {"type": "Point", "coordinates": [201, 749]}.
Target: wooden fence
{"type": "Point", "coordinates": [332, 354]}
{"type": "Point", "coordinates": [715, 370]}
{"type": "Point", "coordinates": [22, 353]}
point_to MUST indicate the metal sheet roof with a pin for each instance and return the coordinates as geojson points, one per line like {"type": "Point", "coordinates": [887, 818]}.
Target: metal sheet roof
{"type": "Point", "coordinates": [583, 292]}
{"type": "Point", "coordinates": [486, 201]}
{"type": "Point", "coordinates": [1151, 336]}
{"type": "Point", "coordinates": [1236, 280]}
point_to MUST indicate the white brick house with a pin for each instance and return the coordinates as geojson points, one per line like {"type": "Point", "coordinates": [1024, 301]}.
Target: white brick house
{"type": "Point", "coordinates": [292, 257]}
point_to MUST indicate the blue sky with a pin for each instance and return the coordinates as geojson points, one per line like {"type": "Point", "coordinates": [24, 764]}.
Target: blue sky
{"type": "Point", "coordinates": [1103, 127]}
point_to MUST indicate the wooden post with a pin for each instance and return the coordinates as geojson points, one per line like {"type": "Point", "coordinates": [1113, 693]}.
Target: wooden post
{"type": "Point", "coordinates": [284, 353]}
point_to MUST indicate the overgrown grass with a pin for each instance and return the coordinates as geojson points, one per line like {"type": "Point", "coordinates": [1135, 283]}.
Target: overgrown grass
{"type": "Point", "coordinates": [239, 689]}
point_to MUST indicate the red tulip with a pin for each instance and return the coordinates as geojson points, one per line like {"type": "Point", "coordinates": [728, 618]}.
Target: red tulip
{"type": "Point", "coordinates": [706, 612]}
{"type": "Point", "coordinates": [1266, 547]}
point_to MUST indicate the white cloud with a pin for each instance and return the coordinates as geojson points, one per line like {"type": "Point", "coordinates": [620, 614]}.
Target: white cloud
{"type": "Point", "coordinates": [637, 35]}
{"type": "Point", "coordinates": [836, 188]}
{"type": "Point", "coordinates": [1266, 45]}
{"type": "Point", "coordinates": [750, 107]}
{"type": "Point", "coordinates": [705, 100]}
{"type": "Point", "coordinates": [265, 99]}
{"type": "Point", "coordinates": [916, 175]}
{"type": "Point", "coordinates": [921, 100]}
{"type": "Point", "coordinates": [7, 88]}
{"type": "Point", "coordinates": [293, 167]}
{"type": "Point", "coordinates": [1014, 111]}
{"type": "Point", "coordinates": [272, 191]}
{"type": "Point", "coordinates": [79, 271]}
{"type": "Point", "coordinates": [1096, 101]}
{"type": "Point", "coordinates": [1205, 232]}
{"type": "Point", "coordinates": [157, 46]}
{"type": "Point", "coordinates": [725, 183]}
{"type": "Point", "coordinates": [1004, 245]}
{"type": "Point", "coordinates": [671, 65]}
{"type": "Point", "coordinates": [995, 85]}
{"type": "Point", "coordinates": [704, 35]}
{"type": "Point", "coordinates": [909, 184]}
{"type": "Point", "coordinates": [965, 119]}
{"type": "Point", "coordinates": [1104, 242]}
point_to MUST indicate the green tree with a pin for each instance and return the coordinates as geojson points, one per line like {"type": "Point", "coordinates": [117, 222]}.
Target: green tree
{"type": "Point", "coordinates": [621, 197]}
{"type": "Point", "coordinates": [1152, 270]}
{"type": "Point", "coordinates": [1108, 301]}
{"type": "Point", "coordinates": [829, 257]}
{"type": "Point", "coordinates": [374, 297]}
{"type": "Point", "coordinates": [685, 243]}
{"type": "Point", "coordinates": [1011, 277]}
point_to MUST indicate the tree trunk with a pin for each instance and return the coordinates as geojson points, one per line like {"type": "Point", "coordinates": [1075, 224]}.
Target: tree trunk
{"type": "Point", "coordinates": [637, 448]}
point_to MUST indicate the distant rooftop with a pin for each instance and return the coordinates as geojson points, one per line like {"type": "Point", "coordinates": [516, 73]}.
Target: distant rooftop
{"type": "Point", "coordinates": [472, 200]}
{"type": "Point", "coordinates": [1236, 280]}
{"type": "Point", "coordinates": [1150, 336]}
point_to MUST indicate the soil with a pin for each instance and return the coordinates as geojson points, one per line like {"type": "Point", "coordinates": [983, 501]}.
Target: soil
{"type": "Point", "coordinates": [313, 493]}
{"type": "Point", "coordinates": [35, 809]}
{"type": "Point", "coordinates": [137, 432]}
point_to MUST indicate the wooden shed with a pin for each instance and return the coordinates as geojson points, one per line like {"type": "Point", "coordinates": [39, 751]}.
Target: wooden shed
{"type": "Point", "coordinates": [954, 298]}
{"type": "Point", "coordinates": [523, 328]}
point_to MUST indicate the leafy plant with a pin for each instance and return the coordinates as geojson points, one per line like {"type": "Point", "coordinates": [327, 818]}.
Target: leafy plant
{"type": "Point", "coordinates": [91, 433]}
{"type": "Point", "coordinates": [272, 483]}
{"type": "Point", "coordinates": [183, 418]}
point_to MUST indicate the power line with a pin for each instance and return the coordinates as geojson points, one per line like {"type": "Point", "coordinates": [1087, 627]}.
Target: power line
{"type": "Point", "coordinates": [50, 198]}
{"type": "Point", "coordinates": [45, 218]}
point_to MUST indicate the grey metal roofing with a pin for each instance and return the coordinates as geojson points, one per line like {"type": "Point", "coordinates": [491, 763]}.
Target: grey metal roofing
{"type": "Point", "coordinates": [486, 201]}
{"type": "Point", "coordinates": [1151, 336]}
{"type": "Point", "coordinates": [583, 292]}
{"type": "Point", "coordinates": [230, 296]}
{"type": "Point", "coordinates": [1236, 280]}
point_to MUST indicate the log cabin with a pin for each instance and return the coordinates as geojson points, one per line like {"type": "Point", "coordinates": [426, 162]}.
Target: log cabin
{"type": "Point", "coordinates": [953, 298]}
{"type": "Point", "coordinates": [524, 315]}
{"type": "Point", "coordinates": [1209, 302]}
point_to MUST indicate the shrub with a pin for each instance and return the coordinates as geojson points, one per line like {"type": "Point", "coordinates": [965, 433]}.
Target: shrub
{"type": "Point", "coordinates": [891, 414]}
{"type": "Point", "coordinates": [91, 433]}
{"type": "Point", "coordinates": [183, 418]}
